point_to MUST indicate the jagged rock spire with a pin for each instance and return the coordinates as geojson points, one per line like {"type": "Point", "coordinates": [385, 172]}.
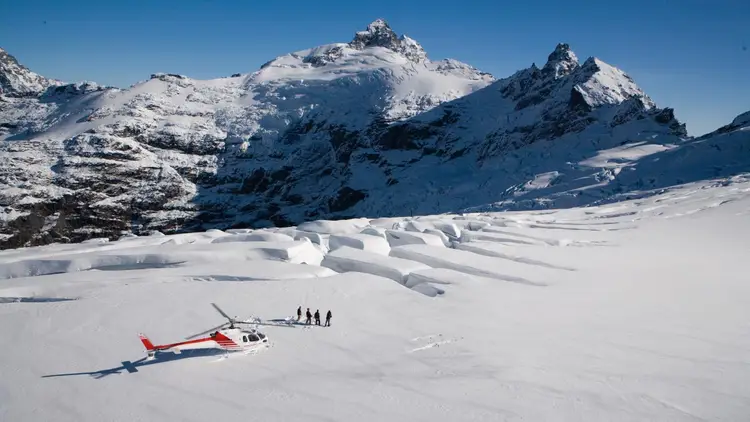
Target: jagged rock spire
{"type": "Point", "coordinates": [561, 62]}
{"type": "Point", "coordinates": [377, 34]}
{"type": "Point", "coordinates": [380, 34]}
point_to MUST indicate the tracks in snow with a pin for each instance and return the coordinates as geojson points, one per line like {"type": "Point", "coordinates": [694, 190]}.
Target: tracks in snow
{"type": "Point", "coordinates": [439, 340]}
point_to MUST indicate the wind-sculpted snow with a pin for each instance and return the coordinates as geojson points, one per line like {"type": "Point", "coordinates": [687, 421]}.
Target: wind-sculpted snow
{"type": "Point", "coordinates": [646, 297]}
{"type": "Point", "coordinates": [365, 242]}
{"type": "Point", "coordinates": [165, 255]}
{"type": "Point", "coordinates": [346, 259]}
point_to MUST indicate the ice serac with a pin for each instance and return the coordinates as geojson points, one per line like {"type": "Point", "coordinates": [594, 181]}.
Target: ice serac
{"type": "Point", "coordinates": [368, 127]}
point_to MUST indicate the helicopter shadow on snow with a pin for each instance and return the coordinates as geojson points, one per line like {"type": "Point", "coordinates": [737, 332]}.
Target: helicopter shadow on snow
{"type": "Point", "coordinates": [131, 367]}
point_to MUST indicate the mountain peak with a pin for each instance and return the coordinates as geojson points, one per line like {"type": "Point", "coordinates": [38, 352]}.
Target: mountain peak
{"type": "Point", "coordinates": [377, 34]}
{"type": "Point", "coordinates": [17, 80]}
{"type": "Point", "coordinates": [377, 25]}
{"type": "Point", "coordinates": [380, 34]}
{"type": "Point", "coordinates": [561, 62]}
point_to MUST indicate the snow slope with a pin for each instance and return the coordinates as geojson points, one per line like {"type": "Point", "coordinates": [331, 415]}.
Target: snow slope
{"type": "Point", "coordinates": [621, 312]}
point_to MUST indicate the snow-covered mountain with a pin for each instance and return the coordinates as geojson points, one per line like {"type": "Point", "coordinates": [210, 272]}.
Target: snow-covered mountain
{"type": "Point", "coordinates": [369, 127]}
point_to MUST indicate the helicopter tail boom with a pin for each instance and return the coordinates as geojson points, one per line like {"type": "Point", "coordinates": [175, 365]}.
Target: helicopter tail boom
{"type": "Point", "coordinates": [146, 342]}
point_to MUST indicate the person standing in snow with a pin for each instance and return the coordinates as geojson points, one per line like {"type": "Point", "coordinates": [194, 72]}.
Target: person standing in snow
{"type": "Point", "coordinates": [309, 317]}
{"type": "Point", "coordinates": [299, 313]}
{"type": "Point", "coordinates": [317, 317]}
{"type": "Point", "coordinates": [328, 318]}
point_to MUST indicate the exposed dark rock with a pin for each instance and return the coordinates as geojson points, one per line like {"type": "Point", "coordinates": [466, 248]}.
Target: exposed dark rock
{"type": "Point", "coordinates": [577, 101]}
{"type": "Point", "coordinates": [346, 198]}
{"type": "Point", "coordinates": [449, 117]}
{"type": "Point", "coordinates": [380, 34]}
{"type": "Point", "coordinates": [324, 58]}
{"type": "Point", "coordinates": [256, 182]}
{"type": "Point", "coordinates": [404, 136]}
{"type": "Point", "coordinates": [560, 62]}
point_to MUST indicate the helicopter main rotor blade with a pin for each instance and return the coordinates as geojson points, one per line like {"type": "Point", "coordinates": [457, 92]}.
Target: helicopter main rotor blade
{"type": "Point", "coordinates": [270, 324]}
{"type": "Point", "coordinates": [221, 312]}
{"type": "Point", "coordinates": [218, 327]}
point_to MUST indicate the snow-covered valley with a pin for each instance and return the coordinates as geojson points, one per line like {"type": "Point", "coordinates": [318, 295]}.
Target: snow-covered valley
{"type": "Point", "coordinates": [629, 311]}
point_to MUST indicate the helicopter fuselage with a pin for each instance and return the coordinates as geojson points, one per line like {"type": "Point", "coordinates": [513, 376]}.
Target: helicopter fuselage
{"type": "Point", "coordinates": [229, 339]}
{"type": "Point", "coordinates": [223, 337]}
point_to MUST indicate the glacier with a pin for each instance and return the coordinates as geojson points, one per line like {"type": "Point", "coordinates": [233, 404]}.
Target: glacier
{"type": "Point", "coordinates": [628, 311]}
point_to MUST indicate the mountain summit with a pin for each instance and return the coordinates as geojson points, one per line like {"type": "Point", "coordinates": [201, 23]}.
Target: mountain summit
{"type": "Point", "coordinates": [370, 127]}
{"type": "Point", "coordinates": [561, 62]}
{"type": "Point", "coordinates": [380, 34]}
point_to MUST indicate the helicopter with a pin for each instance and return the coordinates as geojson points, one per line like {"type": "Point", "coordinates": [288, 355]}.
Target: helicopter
{"type": "Point", "coordinates": [228, 338]}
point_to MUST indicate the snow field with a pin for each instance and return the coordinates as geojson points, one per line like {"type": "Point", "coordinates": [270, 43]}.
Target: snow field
{"type": "Point", "coordinates": [648, 322]}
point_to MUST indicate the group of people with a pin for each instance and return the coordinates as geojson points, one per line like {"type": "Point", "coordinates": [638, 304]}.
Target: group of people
{"type": "Point", "coordinates": [310, 316]}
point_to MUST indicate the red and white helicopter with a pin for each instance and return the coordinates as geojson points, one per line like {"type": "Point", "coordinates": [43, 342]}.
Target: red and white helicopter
{"type": "Point", "coordinates": [229, 339]}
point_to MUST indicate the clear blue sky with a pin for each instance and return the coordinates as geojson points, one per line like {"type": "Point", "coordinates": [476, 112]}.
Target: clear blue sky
{"type": "Point", "coordinates": [691, 55]}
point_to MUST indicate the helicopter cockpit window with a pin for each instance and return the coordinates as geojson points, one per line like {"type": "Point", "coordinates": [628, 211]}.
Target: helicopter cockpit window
{"type": "Point", "coordinates": [261, 335]}
{"type": "Point", "coordinates": [253, 337]}
{"type": "Point", "coordinates": [244, 339]}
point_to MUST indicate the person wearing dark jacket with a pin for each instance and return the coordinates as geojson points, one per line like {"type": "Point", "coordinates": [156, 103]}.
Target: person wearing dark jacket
{"type": "Point", "coordinates": [299, 313]}
{"type": "Point", "coordinates": [328, 318]}
{"type": "Point", "coordinates": [317, 317]}
{"type": "Point", "coordinates": [309, 317]}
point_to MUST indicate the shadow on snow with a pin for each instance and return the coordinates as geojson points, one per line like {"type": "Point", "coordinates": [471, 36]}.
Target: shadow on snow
{"type": "Point", "coordinates": [35, 299]}
{"type": "Point", "coordinates": [132, 367]}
